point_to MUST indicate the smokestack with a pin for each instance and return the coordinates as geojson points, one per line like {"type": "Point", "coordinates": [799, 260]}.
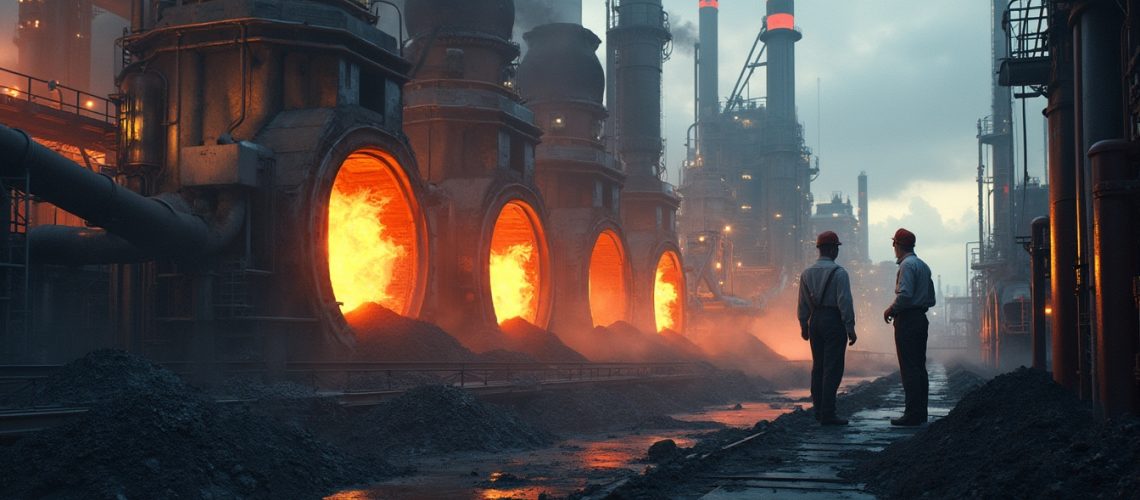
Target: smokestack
{"type": "Point", "coordinates": [780, 34]}
{"type": "Point", "coordinates": [864, 228]}
{"type": "Point", "coordinates": [639, 37]}
{"type": "Point", "coordinates": [707, 81]}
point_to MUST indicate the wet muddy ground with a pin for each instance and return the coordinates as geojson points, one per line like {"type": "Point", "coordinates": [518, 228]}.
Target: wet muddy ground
{"type": "Point", "coordinates": [580, 462]}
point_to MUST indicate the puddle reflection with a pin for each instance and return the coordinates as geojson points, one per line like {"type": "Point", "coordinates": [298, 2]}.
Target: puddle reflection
{"type": "Point", "coordinates": [559, 470]}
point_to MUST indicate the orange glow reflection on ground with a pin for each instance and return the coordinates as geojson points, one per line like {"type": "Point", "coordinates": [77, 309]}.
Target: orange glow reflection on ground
{"type": "Point", "coordinates": [608, 290]}
{"type": "Point", "coordinates": [668, 291]}
{"type": "Point", "coordinates": [515, 264]}
{"type": "Point", "coordinates": [371, 234]}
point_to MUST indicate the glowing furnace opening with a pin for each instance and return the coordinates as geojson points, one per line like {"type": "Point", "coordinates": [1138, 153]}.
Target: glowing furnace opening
{"type": "Point", "coordinates": [517, 263]}
{"type": "Point", "coordinates": [374, 238]}
{"type": "Point", "coordinates": [669, 293]}
{"type": "Point", "coordinates": [609, 290]}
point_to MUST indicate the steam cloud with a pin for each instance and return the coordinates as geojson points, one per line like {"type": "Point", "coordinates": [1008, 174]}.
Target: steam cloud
{"type": "Point", "coordinates": [685, 33]}
{"type": "Point", "coordinates": [532, 13]}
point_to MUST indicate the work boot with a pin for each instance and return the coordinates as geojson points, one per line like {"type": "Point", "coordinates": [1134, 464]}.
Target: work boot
{"type": "Point", "coordinates": [908, 420]}
{"type": "Point", "coordinates": [832, 420]}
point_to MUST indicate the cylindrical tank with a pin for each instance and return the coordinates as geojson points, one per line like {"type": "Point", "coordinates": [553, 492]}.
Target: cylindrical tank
{"type": "Point", "coordinates": [1116, 246]}
{"type": "Point", "coordinates": [639, 37]}
{"type": "Point", "coordinates": [142, 125]}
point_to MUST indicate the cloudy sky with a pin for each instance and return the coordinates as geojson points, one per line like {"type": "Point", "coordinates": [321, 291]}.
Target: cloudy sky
{"type": "Point", "coordinates": [902, 85]}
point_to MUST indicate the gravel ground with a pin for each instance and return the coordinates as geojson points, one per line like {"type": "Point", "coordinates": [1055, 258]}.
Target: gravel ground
{"type": "Point", "coordinates": [434, 420]}
{"type": "Point", "coordinates": [148, 435]}
{"type": "Point", "coordinates": [635, 406]}
{"type": "Point", "coordinates": [1018, 436]}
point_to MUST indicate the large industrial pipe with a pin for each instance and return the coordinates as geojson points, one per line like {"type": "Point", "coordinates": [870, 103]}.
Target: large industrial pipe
{"type": "Point", "coordinates": [1100, 114]}
{"type": "Point", "coordinates": [1116, 245]}
{"type": "Point", "coordinates": [1063, 209]}
{"type": "Point", "coordinates": [1039, 251]}
{"type": "Point", "coordinates": [160, 226]}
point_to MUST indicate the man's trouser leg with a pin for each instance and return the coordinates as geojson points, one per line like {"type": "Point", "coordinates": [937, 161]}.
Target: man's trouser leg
{"type": "Point", "coordinates": [911, 331]}
{"type": "Point", "coordinates": [828, 346]}
{"type": "Point", "coordinates": [817, 361]}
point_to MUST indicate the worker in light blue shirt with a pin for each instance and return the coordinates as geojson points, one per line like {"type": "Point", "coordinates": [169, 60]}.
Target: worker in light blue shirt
{"type": "Point", "coordinates": [914, 294]}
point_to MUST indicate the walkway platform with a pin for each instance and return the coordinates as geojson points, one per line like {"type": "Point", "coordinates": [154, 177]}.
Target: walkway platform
{"type": "Point", "coordinates": [824, 451]}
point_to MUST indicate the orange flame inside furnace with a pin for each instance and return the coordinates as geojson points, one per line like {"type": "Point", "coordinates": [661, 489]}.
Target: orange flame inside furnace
{"type": "Point", "coordinates": [366, 257]}
{"type": "Point", "coordinates": [513, 290]}
{"type": "Point", "coordinates": [664, 301]}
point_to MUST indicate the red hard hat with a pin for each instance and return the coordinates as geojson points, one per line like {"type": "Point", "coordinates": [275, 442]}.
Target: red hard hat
{"type": "Point", "coordinates": [827, 238]}
{"type": "Point", "coordinates": [904, 238]}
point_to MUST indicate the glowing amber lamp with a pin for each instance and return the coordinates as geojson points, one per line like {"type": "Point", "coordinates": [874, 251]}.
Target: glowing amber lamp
{"type": "Point", "coordinates": [709, 3]}
{"type": "Point", "coordinates": [515, 266]}
{"type": "Point", "coordinates": [372, 233]}
{"type": "Point", "coordinates": [609, 292]}
{"type": "Point", "coordinates": [781, 22]}
{"type": "Point", "coordinates": [669, 293]}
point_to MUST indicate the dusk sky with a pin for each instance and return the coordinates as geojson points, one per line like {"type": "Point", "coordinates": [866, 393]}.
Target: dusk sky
{"type": "Point", "coordinates": [903, 85]}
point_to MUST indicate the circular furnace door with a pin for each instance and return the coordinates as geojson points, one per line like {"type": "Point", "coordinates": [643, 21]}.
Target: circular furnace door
{"type": "Point", "coordinates": [669, 293]}
{"type": "Point", "coordinates": [374, 237]}
{"type": "Point", "coordinates": [608, 281]}
{"type": "Point", "coordinates": [517, 264]}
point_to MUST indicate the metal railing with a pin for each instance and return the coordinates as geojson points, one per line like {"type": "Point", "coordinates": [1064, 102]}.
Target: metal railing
{"type": "Point", "coordinates": [1027, 24]}
{"type": "Point", "coordinates": [54, 95]}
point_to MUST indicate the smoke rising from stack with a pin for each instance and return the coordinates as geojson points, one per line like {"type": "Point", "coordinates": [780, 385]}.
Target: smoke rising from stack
{"type": "Point", "coordinates": [685, 33]}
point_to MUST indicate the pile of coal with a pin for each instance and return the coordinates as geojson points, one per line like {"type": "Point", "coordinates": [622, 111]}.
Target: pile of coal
{"type": "Point", "coordinates": [155, 437]}
{"type": "Point", "coordinates": [681, 345]}
{"type": "Point", "coordinates": [505, 356]}
{"type": "Point", "coordinates": [384, 336]}
{"type": "Point", "coordinates": [102, 375]}
{"type": "Point", "coordinates": [542, 345]}
{"type": "Point", "coordinates": [1018, 436]}
{"type": "Point", "coordinates": [736, 348]}
{"type": "Point", "coordinates": [442, 419]}
{"type": "Point", "coordinates": [622, 342]}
